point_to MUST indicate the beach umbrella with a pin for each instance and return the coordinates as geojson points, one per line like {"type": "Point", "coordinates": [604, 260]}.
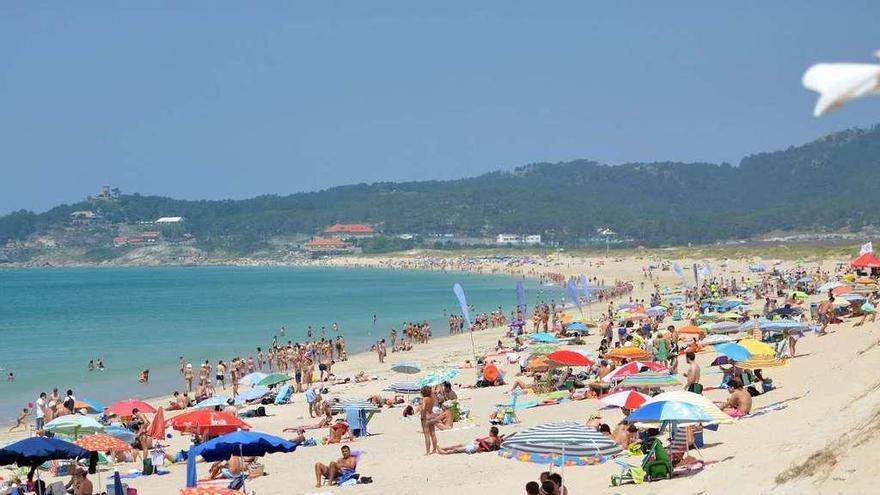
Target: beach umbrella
{"type": "Point", "coordinates": [577, 327]}
{"type": "Point", "coordinates": [796, 294]}
{"type": "Point", "coordinates": [717, 339]}
{"type": "Point", "coordinates": [542, 350]}
{"type": "Point", "coordinates": [407, 368]}
{"type": "Point", "coordinates": [690, 329]}
{"type": "Point", "coordinates": [756, 347]}
{"type": "Point", "coordinates": [101, 442]}
{"type": "Point", "coordinates": [632, 368]}
{"type": "Point", "coordinates": [730, 315]}
{"type": "Point", "coordinates": [625, 306]}
{"type": "Point", "coordinates": [252, 379]}
{"type": "Point", "coordinates": [724, 327]}
{"type": "Point", "coordinates": [586, 323]}
{"type": "Point", "coordinates": [637, 316]}
{"type": "Point", "coordinates": [438, 377]}
{"type": "Point", "coordinates": [560, 444]}
{"type": "Point", "coordinates": [405, 387]}
{"type": "Point", "coordinates": [839, 291]}
{"type": "Point", "coordinates": [74, 425]}
{"type": "Point", "coordinates": [540, 363]}
{"type": "Point", "coordinates": [252, 394]}
{"type": "Point", "coordinates": [701, 401]}
{"type": "Point", "coordinates": [829, 286]}
{"type": "Point", "coordinates": [217, 400]}
{"type": "Point", "coordinates": [207, 422]}
{"type": "Point", "coordinates": [124, 408]}
{"type": "Point", "coordinates": [656, 311]}
{"type": "Point", "coordinates": [362, 405]}
{"type": "Point", "coordinates": [669, 410]}
{"type": "Point", "coordinates": [649, 379]}
{"type": "Point", "coordinates": [627, 353]}
{"type": "Point", "coordinates": [121, 433]}
{"type": "Point", "coordinates": [544, 337]}
{"type": "Point", "coordinates": [866, 281]}
{"type": "Point", "coordinates": [37, 450]}
{"type": "Point", "coordinates": [274, 379]}
{"type": "Point", "coordinates": [571, 357]}
{"type": "Point", "coordinates": [242, 443]}
{"type": "Point", "coordinates": [733, 351]}
{"type": "Point", "coordinates": [627, 399]}
{"type": "Point", "coordinates": [157, 426]}
{"type": "Point", "coordinates": [89, 406]}
{"type": "Point", "coordinates": [760, 362]}
{"type": "Point", "coordinates": [853, 297]}
{"type": "Point", "coordinates": [721, 361]}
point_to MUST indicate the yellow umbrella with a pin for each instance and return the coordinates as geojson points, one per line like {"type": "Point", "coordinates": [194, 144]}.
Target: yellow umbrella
{"type": "Point", "coordinates": [760, 362]}
{"type": "Point", "coordinates": [730, 315]}
{"type": "Point", "coordinates": [757, 348]}
{"type": "Point", "coordinates": [566, 317]}
{"type": "Point", "coordinates": [718, 416]}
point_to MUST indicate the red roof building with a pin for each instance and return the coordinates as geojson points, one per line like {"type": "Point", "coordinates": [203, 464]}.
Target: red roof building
{"type": "Point", "coordinates": [342, 230]}
{"type": "Point", "coordinates": [867, 260]}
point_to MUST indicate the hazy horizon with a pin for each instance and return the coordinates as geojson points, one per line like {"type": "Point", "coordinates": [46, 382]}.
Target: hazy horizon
{"type": "Point", "coordinates": [221, 101]}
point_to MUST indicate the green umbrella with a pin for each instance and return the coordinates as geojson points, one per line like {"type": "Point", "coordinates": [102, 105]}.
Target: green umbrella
{"type": "Point", "coordinates": [543, 350]}
{"type": "Point", "coordinates": [799, 295]}
{"type": "Point", "coordinates": [274, 379]}
{"type": "Point", "coordinates": [74, 425]}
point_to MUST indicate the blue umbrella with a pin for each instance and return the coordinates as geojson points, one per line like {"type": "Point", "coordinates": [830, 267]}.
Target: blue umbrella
{"type": "Point", "coordinates": [734, 351]}
{"type": "Point", "coordinates": [121, 433]}
{"type": "Point", "coordinates": [217, 400]}
{"type": "Point", "coordinates": [253, 378]}
{"type": "Point", "coordinates": [243, 443]}
{"type": "Point", "coordinates": [577, 326]}
{"type": "Point", "coordinates": [669, 410]}
{"type": "Point", "coordinates": [37, 450]}
{"type": "Point", "coordinates": [252, 394]}
{"type": "Point", "coordinates": [543, 337]}
{"type": "Point", "coordinates": [408, 368]}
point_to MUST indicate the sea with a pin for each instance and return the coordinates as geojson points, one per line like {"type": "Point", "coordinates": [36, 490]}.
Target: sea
{"type": "Point", "coordinates": [54, 320]}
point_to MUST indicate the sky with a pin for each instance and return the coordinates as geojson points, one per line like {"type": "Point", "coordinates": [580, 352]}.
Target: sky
{"type": "Point", "coordinates": [219, 99]}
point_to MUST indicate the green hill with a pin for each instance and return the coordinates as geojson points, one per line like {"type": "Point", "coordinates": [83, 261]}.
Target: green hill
{"type": "Point", "coordinates": [826, 184]}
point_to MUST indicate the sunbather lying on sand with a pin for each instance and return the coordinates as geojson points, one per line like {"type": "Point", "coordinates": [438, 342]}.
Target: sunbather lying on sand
{"type": "Point", "coordinates": [479, 445]}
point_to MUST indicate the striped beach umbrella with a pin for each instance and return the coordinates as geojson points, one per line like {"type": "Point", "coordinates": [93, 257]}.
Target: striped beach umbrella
{"type": "Point", "coordinates": [363, 405]}
{"type": "Point", "coordinates": [405, 387]}
{"type": "Point", "coordinates": [632, 368]}
{"type": "Point", "coordinates": [561, 444]}
{"type": "Point", "coordinates": [725, 327]}
{"type": "Point", "coordinates": [717, 339]}
{"type": "Point", "coordinates": [649, 379]}
{"type": "Point", "coordinates": [627, 399]}
{"type": "Point", "coordinates": [439, 376]}
{"type": "Point", "coordinates": [759, 362]}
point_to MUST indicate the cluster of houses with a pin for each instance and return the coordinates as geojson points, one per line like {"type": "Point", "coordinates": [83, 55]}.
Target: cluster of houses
{"type": "Point", "coordinates": [151, 236]}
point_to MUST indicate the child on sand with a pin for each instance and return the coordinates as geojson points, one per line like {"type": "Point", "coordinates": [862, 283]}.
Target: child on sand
{"type": "Point", "coordinates": [22, 417]}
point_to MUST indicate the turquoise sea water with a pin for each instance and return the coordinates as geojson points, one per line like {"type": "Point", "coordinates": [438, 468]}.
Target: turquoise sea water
{"type": "Point", "coordinates": [53, 321]}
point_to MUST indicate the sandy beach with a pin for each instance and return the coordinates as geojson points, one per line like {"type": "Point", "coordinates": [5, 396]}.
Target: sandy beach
{"type": "Point", "coordinates": [823, 440]}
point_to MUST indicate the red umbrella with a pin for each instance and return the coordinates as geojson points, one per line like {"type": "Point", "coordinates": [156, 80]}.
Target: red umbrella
{"type": "Point", "coordinates": [632, 368]}
{"type": "Point", "coordinates": [157, 427]}
{"type": "Point", "coordinates": [570, 358]}
{"type": "Point", "coordinates": [125, 407]}
{"type": "Point", "coordinates": [207, 422]}
{"type": "Point", "coordinates": [628, 399]}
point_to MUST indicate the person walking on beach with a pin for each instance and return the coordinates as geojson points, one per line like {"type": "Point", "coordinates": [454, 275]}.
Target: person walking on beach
{"type": "Point", "coordinates": [381, 351]}
{"type": "Point", "coordinates": [221, 374]}
{"type": "Point", "coordinates": [825, 312]}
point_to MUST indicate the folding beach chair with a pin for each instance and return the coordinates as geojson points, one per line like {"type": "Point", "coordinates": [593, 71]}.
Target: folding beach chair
{"type": "Point", "coordinates": [656, 463]}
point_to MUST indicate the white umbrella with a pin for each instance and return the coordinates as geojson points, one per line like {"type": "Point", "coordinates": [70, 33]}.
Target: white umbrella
{"type": "Point", "coordinates": [840, 83]}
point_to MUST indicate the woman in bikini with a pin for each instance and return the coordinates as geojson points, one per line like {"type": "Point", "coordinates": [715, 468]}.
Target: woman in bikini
{"type": "Point", "coordinates": [427, 416]}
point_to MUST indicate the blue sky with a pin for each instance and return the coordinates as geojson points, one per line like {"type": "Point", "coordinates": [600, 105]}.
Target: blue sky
{"type": "Point", "coordinates": [227, 100]}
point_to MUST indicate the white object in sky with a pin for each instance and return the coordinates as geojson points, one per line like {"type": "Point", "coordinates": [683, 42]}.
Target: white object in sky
{"type": "Point", "coordinates": [839, 83]}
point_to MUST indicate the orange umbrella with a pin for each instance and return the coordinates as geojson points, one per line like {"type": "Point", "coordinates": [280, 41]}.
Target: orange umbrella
{"type": "Point", "coordinates": [843, 289]}
{"type": "Point", "coordinates": [100, 442]}
{"type": "Point", "coordinates": [208, 490]}
{"type": "Point", "coordinates": [691, 329]}
{"type": "Point", "coordinates": [157, 427]}
{"type": "Point", "coordinates": [865, 280]}
{"type": "Point", "coordinates": [627, 353]}
{"type": "Point", "coordinates": [539, 363]}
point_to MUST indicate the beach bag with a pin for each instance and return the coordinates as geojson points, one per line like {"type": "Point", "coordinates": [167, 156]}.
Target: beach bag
{"type": "Point", "coordinates": [261, 412]}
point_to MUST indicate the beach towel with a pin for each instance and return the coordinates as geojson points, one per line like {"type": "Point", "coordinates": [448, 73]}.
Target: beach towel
{"type": "Point", "coordinates": [357, 421]}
